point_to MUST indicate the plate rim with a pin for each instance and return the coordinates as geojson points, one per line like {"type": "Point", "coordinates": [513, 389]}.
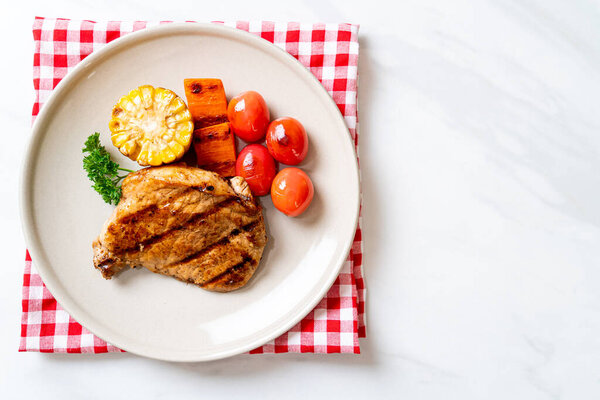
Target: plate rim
{"type": "Point", "coordinates": [33, 242]}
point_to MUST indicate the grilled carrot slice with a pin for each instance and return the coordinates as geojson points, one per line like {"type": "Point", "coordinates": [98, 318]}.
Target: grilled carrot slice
{"type": "Point", "coordinates": [206, 101]}
{"type": "Point", "coordinates": [215, 149]}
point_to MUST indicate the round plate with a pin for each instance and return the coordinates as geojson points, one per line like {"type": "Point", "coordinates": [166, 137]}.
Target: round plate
{"type": "Point", "coordinates": [154, 315]}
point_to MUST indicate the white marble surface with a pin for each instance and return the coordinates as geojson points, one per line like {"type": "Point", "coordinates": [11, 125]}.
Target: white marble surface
{"type": "Point", "coordinates": [480, 154]}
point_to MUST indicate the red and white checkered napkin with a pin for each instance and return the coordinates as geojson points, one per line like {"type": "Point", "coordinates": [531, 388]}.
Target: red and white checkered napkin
{"type": "Point", "coordinates": [330, 52]}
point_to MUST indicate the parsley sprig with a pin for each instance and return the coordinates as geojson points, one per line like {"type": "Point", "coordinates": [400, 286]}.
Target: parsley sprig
{"type": "Point", "coordinates": [102, 170]}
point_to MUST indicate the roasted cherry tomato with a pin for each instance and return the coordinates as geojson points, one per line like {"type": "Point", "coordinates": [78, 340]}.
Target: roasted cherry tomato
{"type": "Point", "coordinates": [292, 191]}
{"type": "Point", "coordinates": [256, 165]}
{"type": "Point", "coordinates": [249, 116]}
{"type": "Point", "coordinates": [287, 141]}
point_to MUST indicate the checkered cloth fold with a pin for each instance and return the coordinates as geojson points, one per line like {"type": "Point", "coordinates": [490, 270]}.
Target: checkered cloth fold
{"type": "Point", "coordinates": [330, 52]}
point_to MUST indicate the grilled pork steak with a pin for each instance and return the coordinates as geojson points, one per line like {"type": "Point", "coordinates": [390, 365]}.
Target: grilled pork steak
{"type": "Point", "coordinates": [187, 223]}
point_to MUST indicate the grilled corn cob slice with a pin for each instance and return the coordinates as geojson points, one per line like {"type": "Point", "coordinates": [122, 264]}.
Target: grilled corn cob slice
{"type": "Point", "coordinates": [152, 126]}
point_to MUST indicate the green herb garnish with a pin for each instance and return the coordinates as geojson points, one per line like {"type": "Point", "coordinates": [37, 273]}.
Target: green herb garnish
{"type": "Point", "coordinates": [102, 170]}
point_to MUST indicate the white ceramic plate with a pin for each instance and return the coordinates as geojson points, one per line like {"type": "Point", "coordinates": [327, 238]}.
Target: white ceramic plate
{"type": "Point", "coordinates": [150, 314]}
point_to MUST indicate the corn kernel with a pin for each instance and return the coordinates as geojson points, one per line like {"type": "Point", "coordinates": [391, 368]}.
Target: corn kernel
{"type": "Point", "coordinates": [152, 126]}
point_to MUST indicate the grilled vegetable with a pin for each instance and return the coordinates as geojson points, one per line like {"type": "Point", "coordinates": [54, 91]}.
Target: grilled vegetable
{"type": "Point", "coordinates": [152, 126]}
{"type": "Point", "coordinates": [102, 171]}
{"type": "Point", "coordinates": [215, 149]}
{"type": "Point", "coordinates": [206, 101]}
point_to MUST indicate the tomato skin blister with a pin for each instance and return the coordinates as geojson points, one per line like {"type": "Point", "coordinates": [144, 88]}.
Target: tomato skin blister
{"type": "Point", "coordinates": [287, 140]}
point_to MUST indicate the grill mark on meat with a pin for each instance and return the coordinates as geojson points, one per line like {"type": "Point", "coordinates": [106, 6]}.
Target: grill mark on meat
{"type": "Point", "coordinates": [222, 242]}
{"type": "Point", "coordinates": [246, 258]}
{"type": "Point", "coordinates": [127, 228]}
{"type": "Point", "coordinates": [209, 188]}
{"type": "Point", "coordinates": [246, 261]}
{"type": "Point", "coordinates": [148, 212]}
{"type": "Point", "coordinates": [132, 218]}
{"type": "Point", "coordinates": [151, 209]}
{"type": "Point", "coordinates": [250, 227]}
{"type": "Point", "coordinates": [195, 218]}
{"type": "Point", "coordinates": [201, 252]}
{"type": "Point", "coordinates": [185, 223]}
